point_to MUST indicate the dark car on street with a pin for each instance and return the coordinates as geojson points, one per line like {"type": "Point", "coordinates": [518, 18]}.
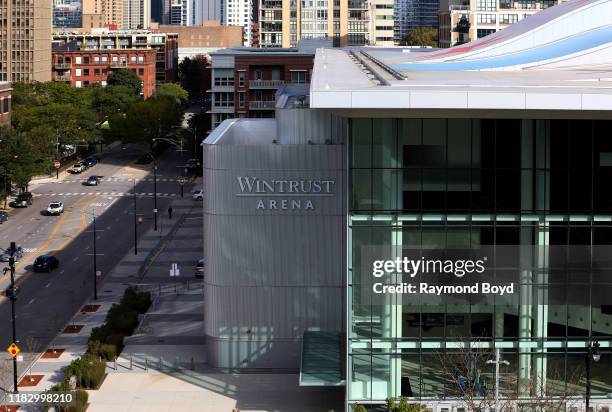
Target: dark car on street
{"type": "Point", "coordinates": [45, 263]}
{"type": "Point", "coordinates": [3, 217]}
{"type": "Point", "coordinates": [23, 200]}
{"type": "Point", "coordinates": [92, 181]}
{"type": "Point", "coordinates": [90, 161]}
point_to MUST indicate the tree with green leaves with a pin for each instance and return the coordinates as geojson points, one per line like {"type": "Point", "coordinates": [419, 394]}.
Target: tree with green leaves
{"type": "Point", "coordinates": [127, 78]}
{"type": "Point", "coordinates": [147, 120]}
{"type": "Point", "coordinates": [173, 91]}
{"type": "Point", "coordinates": [111, 100]}
{"type": "Point", "coordinates": [192, 75]}
{"type": "Point", "coordinates": [422, 36]}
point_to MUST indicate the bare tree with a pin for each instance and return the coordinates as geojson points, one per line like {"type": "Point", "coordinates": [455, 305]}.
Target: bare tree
{"type": "Point", "coordinates": [31, 344]}
{"type": "Point", "coordinates": [467, 374]}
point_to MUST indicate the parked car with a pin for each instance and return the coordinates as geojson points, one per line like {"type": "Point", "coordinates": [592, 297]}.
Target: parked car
{"type": "Point", "coordinates": [77, 168]}
{"type": "Point", "coordinates": [3, 217]}
{"type": "Point", "coordinates": [92, 181]}
{"type": "Point", "coordinates": [45, 263]}
{"type": "Point", "coordinates": [55, 208]}
{"type": "Point", "coordinates": [199, 269]}
{"type": "Point", "coordinates": [198, 195]}
{"type": "Point", "coordinates": [23, 200]}
{"type": "Point", "coordinates": [6, 255]}
{"type": "Point", "coordinates": [90, 161]}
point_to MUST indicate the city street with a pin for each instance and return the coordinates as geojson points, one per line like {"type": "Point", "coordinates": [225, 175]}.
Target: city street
{"type": "Point", "coordinates": [48, 300]}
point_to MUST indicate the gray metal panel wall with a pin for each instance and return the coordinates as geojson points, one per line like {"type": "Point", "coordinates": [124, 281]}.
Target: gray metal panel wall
{"type": "Point", "coordinates": [271, 274]}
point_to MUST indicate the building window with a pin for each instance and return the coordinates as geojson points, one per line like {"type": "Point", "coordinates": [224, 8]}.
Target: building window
{"type": "Point", "coordinates": [508, 18]}
{"type": "Point", "coordinates": [85, 72]}
{"type": "Point", "coordinates": [298, 76]}
{"type": "Point", "coordinates": [104, 59]}
{"type": "Point", "coordinates": [258, 75]}
{"type": "Point", "coordinates": [133, 59]}
{"type": "Point", "coordinates": [486, 19]}
{"type": "Point", "coordinates": [241, 78]}
{"type": "Point", "coordinates": [97, 59]}
{"type": "Point", "coordinates": [141, 59]}
{"type": "Point", "coordinates": [77, 59]}
{"type": "Point", "coordinates": [5, 106]}
{"type": "Point", "coordinates": [141, 71]}
{"type": "Point", "coordinates": [485, 5]}
{"type": "Point", "coordinates": [241, 99]}
{"type": "Point", "coordinates": [78, 83]}
{"type": "Point", "coordinates": [77, 72]}
{"type": "Point", "coordinates": [223, 77]}
{"type": "Point", "coordinates": [480, 33]}
{"type": "Point", "coordinates": [86, 60]}
{"type": "Point", "coordinates": [97, 72]}
{"type": "Point", "coordinates": [224, 99]}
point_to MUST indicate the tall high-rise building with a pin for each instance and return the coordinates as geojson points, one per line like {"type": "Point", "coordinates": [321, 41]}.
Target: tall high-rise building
{"type": "Point", "coordinates": [414, 14]}
{"type": "Point", "coordinates": [92, 14]}
{"type": "Point", "coordinates": [381, 22]}
{"type": "Point", "coordinates": [282, 23]}
{"type": "Point", "coordinates": [101, 13]}
{"type": "Point", "coordinates": [182, 13]}
{"type": "Point", "coordinates": [206, 10]}
{"type": "Point", "coordinates": [67, 13]}
{"type": "Point", "coordinates": [25, 46]}
{"type": "Point", "coordinates": [462, 21]}
{"type": "Point", "coordinates": [238, 13]}
{"type": "Point", "coordinates": [136, 14]}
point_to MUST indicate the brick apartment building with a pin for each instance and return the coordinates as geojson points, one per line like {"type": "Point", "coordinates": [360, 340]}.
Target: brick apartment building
{"type": "Point", "coordinates": [5, 103]}
{"type": "Point", "coordinates": [245, 80]}
{"type": "Point", "coordinates": [84, 68]}
{"type": "Point", "coordinates": [166, 45]}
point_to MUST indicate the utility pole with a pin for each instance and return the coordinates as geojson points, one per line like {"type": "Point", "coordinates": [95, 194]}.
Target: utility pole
{"type": "Point", "coordinates": [95, 253]}
{"type": "Point", "coordinates": [497, 362]}
{"type": "Point", "coordinates": [155, 193]}
{"type": "Point", "coordinates": [135, 222]}
{"type": "Point", "coordinates": [12, 293]}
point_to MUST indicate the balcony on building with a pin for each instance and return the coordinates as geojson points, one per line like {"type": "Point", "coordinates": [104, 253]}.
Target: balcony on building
{"type": "Point", "coordinates": [62, 66]}
{"type": "Point", "coordinates": [62, 77]}
{"type": "Point", "coordinates": [266, 84]}
{"type": "Point", "coordinates": [262, 104]}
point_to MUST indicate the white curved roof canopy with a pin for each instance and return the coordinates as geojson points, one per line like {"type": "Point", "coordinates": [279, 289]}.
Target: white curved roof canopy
{"type": "Point", "coordinates": [557, 59]}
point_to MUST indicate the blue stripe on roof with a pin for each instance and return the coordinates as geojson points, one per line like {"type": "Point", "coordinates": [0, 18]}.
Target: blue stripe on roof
{"type": "Point", "coordinates": [574, 44]}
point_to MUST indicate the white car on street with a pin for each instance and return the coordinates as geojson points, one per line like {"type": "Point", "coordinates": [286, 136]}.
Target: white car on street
{"type": "Point", "coordinates": [77, 168]}
{"type": "Point", "coordinates": [55, 208]}
{"type": "Point", "coordinates": [198, 195]}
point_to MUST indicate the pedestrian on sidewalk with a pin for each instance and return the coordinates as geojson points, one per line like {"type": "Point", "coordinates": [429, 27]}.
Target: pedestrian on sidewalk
{"type": "Point", "coordinates": [170, 212]}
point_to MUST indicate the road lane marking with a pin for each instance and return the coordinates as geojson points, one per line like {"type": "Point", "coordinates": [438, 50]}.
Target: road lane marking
{"type": "Point", "coordinates": [31, 301]}
{"type": "Point", "coordinates": [47, 285]}
{"type": "Point", "coordinates": [75, 259]}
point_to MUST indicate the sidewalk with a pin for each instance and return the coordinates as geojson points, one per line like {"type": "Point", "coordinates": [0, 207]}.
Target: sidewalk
{"type": "Point", "coordinates": [46, 371]}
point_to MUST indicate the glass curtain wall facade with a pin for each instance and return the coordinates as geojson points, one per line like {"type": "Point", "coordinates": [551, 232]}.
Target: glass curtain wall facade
{"type": "Point", "coordinates": [464, 183]}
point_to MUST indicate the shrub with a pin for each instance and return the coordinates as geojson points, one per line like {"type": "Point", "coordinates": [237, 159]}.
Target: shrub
{"type": "Point", "coordinates": [88, 370]}
{"type": "Point", "coordinates": [101, 333]}
{"type": "Point", "coordinates": [121, 320]}
{"type": "Point", "coordinates": [116, 340]}
{"type": "Point", "coordinates": [79, 403]}
{"type": "Point", "coordinates": [102, 350]}
{"type": "Point", "coordinates": [135, 300]}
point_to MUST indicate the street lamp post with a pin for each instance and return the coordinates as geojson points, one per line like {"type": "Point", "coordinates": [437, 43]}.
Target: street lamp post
{"type": "Point", "coordinates": [497, 362]}
{"type": "Point", "coordinates": [12, 293]}
{"type": "Point", "coordinates": [154, 194]}
{"type": "Point", "coordinates": [592, 353]}
{"type": "Point", "coordinates": [95, 255]}
{"type": "Point", "coordinates": [135, 222]}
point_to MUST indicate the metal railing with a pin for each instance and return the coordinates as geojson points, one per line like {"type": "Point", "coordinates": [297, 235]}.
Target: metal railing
{"type": "Point", "coordinates": [266, 84]}
{"type": "Point", "coordinates": [262, 105]}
